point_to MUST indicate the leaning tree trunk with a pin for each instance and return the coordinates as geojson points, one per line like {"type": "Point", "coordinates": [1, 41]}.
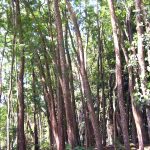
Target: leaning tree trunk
{"type": "Point", "coordinates": [21, 107]}
{"type": "Point", "coordinates": [119, 76]}
{"type": "Point", "coordinates": [64, 81]}
{"type": "Point", "coordinates": [50, 103]}
{"type": "Point", "coordinates": [71, 85]}
{"type": "Point", "coordinates": [84, 78]}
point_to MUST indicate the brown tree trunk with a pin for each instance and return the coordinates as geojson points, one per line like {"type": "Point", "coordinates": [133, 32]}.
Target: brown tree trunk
{"type": "Point", "coordinates": [50, 104]}
{"type": "Point", "coordinates": [110, 126]}
{"type": "Point", "coordinates": [141, 61]}
{"type": "Point", "coordinates": [119, 77]}
{"type": "Point", "coordinates": [101, 78]}
{"type": "Point", "coordinates": [64, 80]}
{"type": "Point", "coordinates": [10, 95]}
{"type": "Point", "coordinates": [71, 86]}
{"type": "Point", "coordinates": [36, 141]}
{"type": "Point", "coordinates": [60, 103]}
{"type": "Point", "coordinates": [135, 110]}
{"type": "Point", "coordinates": [51, 135]}
{"type": "Point", "coordinates": [89, 136]}
{"type": "Point", "coordinates": [21, 107]}
{"type": "Point", "coordinates": [140, 32]}
{"type": "Point", "coordinates": [84, 78]}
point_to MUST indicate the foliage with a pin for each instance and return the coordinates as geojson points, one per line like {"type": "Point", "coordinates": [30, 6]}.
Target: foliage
{"type": "Point", "coordinates": [40, 45]}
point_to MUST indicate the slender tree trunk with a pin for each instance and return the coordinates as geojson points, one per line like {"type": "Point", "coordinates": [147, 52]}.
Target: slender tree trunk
{"type": "Point", "coordinates": [114, 113]}
{"type": "Point", "coordinates": [86, 86]}
{"type": "Point", "coordinates": [72, 86]}
{"type": "Point", "coordinates": [51, 135]}
{"type": "Point", "coordinates": [119, 77]}
{"type": "Point", "coordinates": [133, 130]}
{"type": "Point", "coordinates": [110, 127]}
{"type": "Point", "coordinates": [21, 107]}
{"type": "Point", "coordinates": [1, 66]}
{"type": "Point", "coordinates": [1, 70]}
{"type": "Point", "coordinates": [141, 61]}
{"type": "Point", "coordinates": [135, 109]}
{"type": "Point", "coordinates": [140, 32]}
{"type": "Point", "coordinates": [64, 79]}
{"type": "Point", "coordinates": [10, 95]}
{"type": "Point", "coordinates": [50, 104]}
{"type": "Point", "coordinates": [60, 103]}
{"type": "Point", "coordinates": [36, 140]}
{"type": "Point", "coordinates": [101, 74]}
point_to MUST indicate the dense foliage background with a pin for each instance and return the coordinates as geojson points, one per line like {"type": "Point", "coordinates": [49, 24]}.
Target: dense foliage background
{"type": "Point", "coordinates": [74, 74]}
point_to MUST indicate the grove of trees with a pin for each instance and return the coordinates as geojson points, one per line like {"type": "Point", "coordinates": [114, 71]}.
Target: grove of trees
{"type": "Point", "coordinates": [74, 75]}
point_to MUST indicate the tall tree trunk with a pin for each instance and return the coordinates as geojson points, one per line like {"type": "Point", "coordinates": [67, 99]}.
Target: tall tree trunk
{"type": "Point", "coordinates": [21, 107]}
{"type": "Point", "coordinates": [101, 78]}
{"type": "Point", "coordinates": [1, 66]}
{"type": "Point", "coordinates": [36, 139]}
{"type": "Point", "coordinates": [140, 32]}
{"type": "Point", "coordinates": [64, 79]}
{"type": "Point", "coordinates": [10, 95]}
{"type": "Point", "coordinates": [119, 77]}
{"type": "Point", "coordinates": [110, 126]}
{"type": "Point", "coordinates": [135, 110]}
{"type": "Point", "coordinates": [60, 103]}
{"type": "Point", "coordinates": [84, 78]}
{"type": "Point", "coordinates": [71, 86]}
{"type": "Point", "coordinates": [50, 104]}
{"type": "Point", "coordinates": [141, 61]}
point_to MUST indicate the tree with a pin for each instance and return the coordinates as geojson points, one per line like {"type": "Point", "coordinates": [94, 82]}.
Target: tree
{"type": "Point", "coordinates": [21, 107]}
{"type": "Point", "coordinates": [140, 53]}
{"type": "Point", "coordinates": [64, 79]}
{"type": "Point", "coordinates": [84, 78]}
{"type": "Point", "coordinates": [119, 76]}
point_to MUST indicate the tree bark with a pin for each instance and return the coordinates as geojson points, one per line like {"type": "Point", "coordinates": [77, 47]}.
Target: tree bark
{"type": "Point", "coordinates": [61, 115]}
{"type": "Point", "coordinates": [140, 53]}
{"type": "Point", "coordinates": [64, 80]}
{"type": "Point", "coordinates": [119, 77]}
{"type": "Point", "coordinates": [36, 138]}
{"type": "Point", "coordinates": [50, 104]}
{"type": "Point", "coordinates": [135, 110]}
{"type": "Point", "coordinates": [21, 107]}
{"type": "Point", "coordinates": [10, 95]}
{"type": "Point", "coordinates": [71, 86]}
{"type": "Point", "coordinates": [84, 78]}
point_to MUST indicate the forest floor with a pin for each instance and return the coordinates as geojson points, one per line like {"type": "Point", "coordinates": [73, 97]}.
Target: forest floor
{"type": "Point", "coordinates": [132, 146]}
{"type": "Point", "coordinates": [147, 147]}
